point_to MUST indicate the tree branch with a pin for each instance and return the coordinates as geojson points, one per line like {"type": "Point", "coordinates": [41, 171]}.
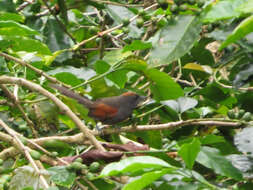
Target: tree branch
{"type": "Point", "coordinates": [25, 150]}
{"type": "Point", "coordinates": [35, 87]}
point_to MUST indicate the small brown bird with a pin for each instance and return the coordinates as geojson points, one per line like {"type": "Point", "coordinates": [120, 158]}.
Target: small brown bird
{"type": "Point", "coordinates": [109, 110]}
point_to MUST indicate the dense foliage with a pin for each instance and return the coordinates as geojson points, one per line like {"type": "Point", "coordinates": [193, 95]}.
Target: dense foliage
{"type": "Point", "coordinates": [191, 58]}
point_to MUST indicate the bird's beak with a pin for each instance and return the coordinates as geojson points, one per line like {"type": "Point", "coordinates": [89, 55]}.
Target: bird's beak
{"type": "Point", "coordinates": [142, 100]}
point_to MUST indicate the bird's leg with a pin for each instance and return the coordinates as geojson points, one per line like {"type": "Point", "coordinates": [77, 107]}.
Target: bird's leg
{"type": "Point", "coordinates": [99, 128]}
{"type": "Point", "coordinates": [117, 129]}
{"type": "Point", "coordinates": [133, 122]}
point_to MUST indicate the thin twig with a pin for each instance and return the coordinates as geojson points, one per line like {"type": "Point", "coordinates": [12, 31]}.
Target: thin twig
{"type": "Point", "coordinates": [25, 150]}
{"type": "Point", "coordinates": [79, 138]}
{"type": "Point", "coordinates": [24, 5]}
{"type": "Point", "coordinates": [25, 64]}
{"type": "Point", "coordinates": [89, 183]}
{"type": "Point", "coordinates": [109, 30]}
{"type": "Point", "coordinates": [17, 104]}
{"type": "Point", "coordinates": [59, 22]}
{"type": "Point", "coordinates": [118, 4]}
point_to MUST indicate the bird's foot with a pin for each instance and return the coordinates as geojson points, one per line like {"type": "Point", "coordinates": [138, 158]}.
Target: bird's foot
{"type": "Point", "coordinates": [99, 129]}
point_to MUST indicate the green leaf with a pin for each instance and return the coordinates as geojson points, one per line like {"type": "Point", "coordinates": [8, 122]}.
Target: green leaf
{"type": "Point", "coordinates": [71, 75]}
{"type": "Point", "coordinates": [212, 139]}
{"type": "Point", "coordinates": [137, 45]}
{"type": "Point", "coordinates": [203, 111]}
{"type": "Point", "coordinates": [174, 41]}
{"type": "Point", "coordinates": [134, 63]}
{"type": "Point", "coordinates": [53, 188]}
{"type": "Point", "coordinates": [246, 7]}
{"type": "Point", "coordinates": [186, 103]}
{"type": "Point", "coordinates": [243, 76]}
{"type": "Point", "coordinates": [244, 28]}
{"type": "Point", "coordinates": [243, 163]}
{"type": "Point", "coordinates": [65, 120]}
{"type": "Point", "coordinates": [201, 179]}
{"type": "Point", "coordinates": [189, 152]}
{"type": "Point", "coordinates": [212, 158]}
{"type": "Point", "coordinates": [133, 165]}
{"type": "Point", "coordinates": [20, 43]}
{"type": "Point", "coordinates": [11, 28]}
{"type": "Point", "coordinates": [61, 176]}
{"type": "Point", "coordinates": [63, 12]}
{"type": "Point", "coordinates": [197, 67]}
{"type": "Point", "coordinates": [201, 54]}
{"type": "Point", "coordinates": [50, 59]}
{"type": "Point", "coordinates": [214, 92]}
{"type": "Point", "coordinates": [56, 39]}
{"type": "Point", "coordinates": [221, 10]}
{"type": "Point", "coordinates": [163, 86]}
{"type": "Point", "coordinates": [25, 176]}
{"type": "Point", "coordinates": [152, 138]}
{"type": "Point", "coordinates": [243, 140]}
{"type": "Point", "coordinates": [28, 188]}
{"type": "Point", "coordinates": [101, 66]}
{"type": "Point", "coordinates": [100, 89]}
{"type": "Point", "coordinates": [59, 146]}
{"type": "Point", "coordinates": [11, 16]}
{"type": "Point", "coordinates": [7, 6]}
{"type": "Point", "coordinates": [118, 77]}
{"type": "Point", "coordinates": [68, 78]}
{"type": "Point", "coordinates": [145, 180]}
{"type": "Point", "coordinates": [182, 104]}
{"type": "Point", "coordinates": [119, 13]}
{"type": "Point", "coordinates": [115, 56]}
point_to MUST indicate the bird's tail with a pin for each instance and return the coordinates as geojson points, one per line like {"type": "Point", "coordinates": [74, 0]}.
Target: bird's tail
{"type": "Point", "coordinates": [82, 100]}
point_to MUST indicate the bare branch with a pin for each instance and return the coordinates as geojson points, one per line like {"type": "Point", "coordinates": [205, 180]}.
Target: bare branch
{"type": "Point", "coordinates": [35, 87]}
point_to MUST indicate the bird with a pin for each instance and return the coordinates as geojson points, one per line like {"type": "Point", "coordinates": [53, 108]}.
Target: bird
{"type": "Point", "coordinates": [108, 110]}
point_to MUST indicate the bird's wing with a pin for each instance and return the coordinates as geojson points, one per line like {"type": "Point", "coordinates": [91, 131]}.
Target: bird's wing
{"type": "Point", "coordinates": [103, 111]}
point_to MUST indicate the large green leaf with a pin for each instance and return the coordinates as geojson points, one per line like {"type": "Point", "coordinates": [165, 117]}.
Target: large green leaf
{"type": "Point", "coordinates": [182, 104]}
{"type": "Point", "coordinates": [244, 76]}
{"type": "Point", "coordinates": [145, 180]}
{"type": "Point", "coordinates": [212, 158]}
{"type": "Point", "coordinates": [212, 139]}
{"type": "Point", "coordinates": [71, 75]}
{"type": "Point", "coordinates": [100, 89]}
{"type": "Point", "coordinates": [115, 56]}
{"type": "Point", "coordinates": [221, 10]}
{"type": "Point", "coordinates": [244, 28]}
{"type": "Point", "coordinates": [61, 176]}
{"type": "Point", "coordinates": [11, 28]}
{"type": "Point", "coordinates": [118, 13]}
{"type": "Point", "coordinates": [189, 152]}
{"type": "Point", "coordinates": [243, 140]}
{"type": "Point", "coordinates": [118, 77]}
{"type": "Point", "coordinates": [134, 63]}
{"type": "Point", "coordinates": [246, 7]}
{"type": "Point", "coordinates": [24, 176]}
{"type": "Point", "coordinates": [163, 86]}
{"type": "Point", "coordinates": [173, 41]}
{"type": "Point", "coordinates": [137, 45]}
{"type": "Point", "coordinates": [20, 43]}
{"type": "Point", "coordinates": [57, 39]}
{"type": "Point", "coordinates": [243, 163]}
{"type": "Point", "coordinates": [133, 165]}
{"type": "Point", "coordinates": [101, 66]}
{"type": "Point", "coordinates": [11, 16]}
